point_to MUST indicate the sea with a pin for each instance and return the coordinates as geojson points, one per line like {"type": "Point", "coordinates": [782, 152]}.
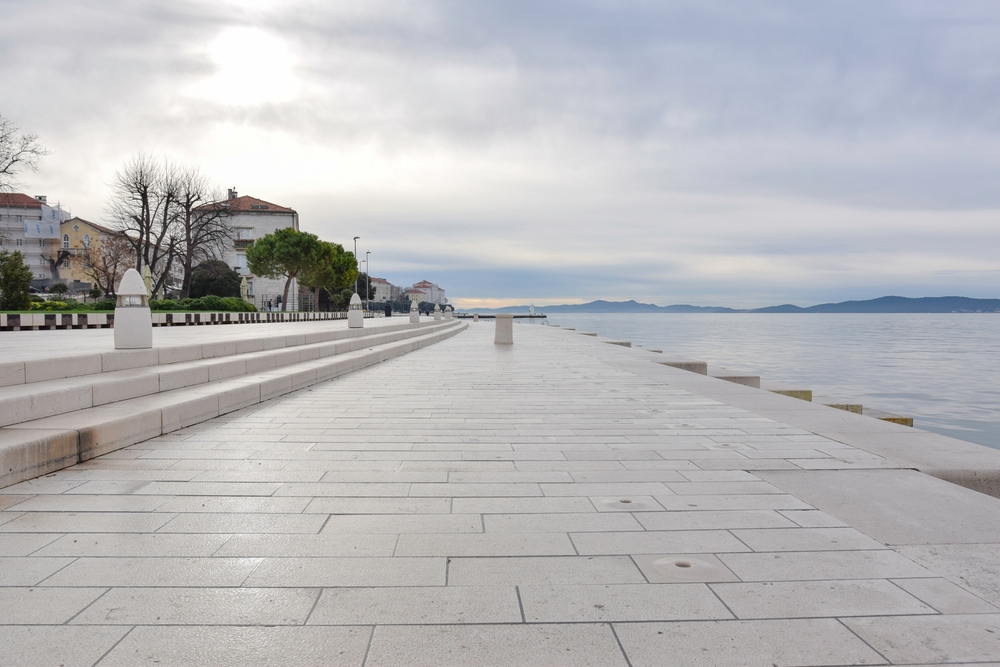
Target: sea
{"type": "Point", "coordinates": [941, 369]}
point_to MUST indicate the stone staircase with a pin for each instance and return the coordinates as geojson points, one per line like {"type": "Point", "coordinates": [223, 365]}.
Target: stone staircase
{"type": "Point", "coordinates": [56, 412]}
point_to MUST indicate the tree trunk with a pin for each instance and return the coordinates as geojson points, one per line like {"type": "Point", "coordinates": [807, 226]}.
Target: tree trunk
{"type": "Point", "coordinates": [284, 299]}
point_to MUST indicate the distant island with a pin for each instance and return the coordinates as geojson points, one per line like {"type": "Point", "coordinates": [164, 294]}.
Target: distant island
{"type": "Point", "coordinates": [885, 304]}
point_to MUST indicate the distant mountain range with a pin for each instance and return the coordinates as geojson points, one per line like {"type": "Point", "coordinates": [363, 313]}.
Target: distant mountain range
{"type": "Point", "coordinates": [885, 304]}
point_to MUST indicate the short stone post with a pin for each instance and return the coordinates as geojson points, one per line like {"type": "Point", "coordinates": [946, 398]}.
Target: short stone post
{"type": "Point", "coordinates": [437, 313]}
{"type": "Point", "coordinates": [505, 330]}
{"type": "Point", "coordinates": [133, 321]}
{"type": "Point", "coordinates": [447, 312]}
{"type": "Point", "coordinates": [475, 317]}
{"type": "Point", "coordinates": [414, 312]}
{"type": "Point", "coordinates": [355, 313]}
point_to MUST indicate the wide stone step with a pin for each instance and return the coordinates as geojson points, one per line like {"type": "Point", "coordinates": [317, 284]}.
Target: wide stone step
{"type": "Point", "coordinates": [32, 448]}
{"type": "Point", "coordinates": [35, 400]}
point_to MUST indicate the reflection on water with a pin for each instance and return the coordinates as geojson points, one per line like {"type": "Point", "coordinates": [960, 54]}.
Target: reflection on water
{"type": "Point", "coordinates": [941, 369]}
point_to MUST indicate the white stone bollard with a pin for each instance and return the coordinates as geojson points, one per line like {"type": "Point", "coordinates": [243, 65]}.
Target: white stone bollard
{"type": "Point", "coordinates": [414, 312]}
{"type": "Point", "coordinates": [475, 317]}
{"type": "Point", "coordinates": [437, 313]}
{"type": "Point", "coordinates": [133, 321]}
{"type": "Point", "coordinates": [505, 330]}
{"type": "Point", "coordinates": [447, 313]}
{"type": "Point", "coordinates": [355, 314]}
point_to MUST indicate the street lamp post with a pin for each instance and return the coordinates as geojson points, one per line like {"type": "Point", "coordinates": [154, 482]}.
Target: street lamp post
{"type": "Point", "coordinates": [368, 281]}
{"type": "Point", "coordinates": [356, 259]}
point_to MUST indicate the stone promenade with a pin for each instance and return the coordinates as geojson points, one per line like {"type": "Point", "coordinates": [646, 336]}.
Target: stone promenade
{"type": "Point", "coordinates": [558, 502]}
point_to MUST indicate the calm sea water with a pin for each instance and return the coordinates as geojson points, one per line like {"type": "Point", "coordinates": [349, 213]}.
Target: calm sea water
{"type": "Point", "coordinates": [942, 370]}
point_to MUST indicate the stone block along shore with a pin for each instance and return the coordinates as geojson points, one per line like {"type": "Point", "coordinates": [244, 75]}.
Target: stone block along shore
{"type": "Point", "coordinates": [558, 501]}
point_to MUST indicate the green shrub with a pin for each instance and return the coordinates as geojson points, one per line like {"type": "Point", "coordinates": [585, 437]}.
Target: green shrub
{"type": "Point", "coordinates": [34, 298]}
{"type": "Point", "coordinates": [165, 304]}
{"type": "Point", "coordinates": [104, 304]}
{"type": "Point", "coordinates": [15, 281]}
{"type": "Point", "coordinates": [212, 302]}
{"type": "Point", "coordinates": [52, 306]}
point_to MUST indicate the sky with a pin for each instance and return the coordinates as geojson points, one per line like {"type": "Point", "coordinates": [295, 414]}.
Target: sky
{"type": "Point", "coordinates": [726, 152]}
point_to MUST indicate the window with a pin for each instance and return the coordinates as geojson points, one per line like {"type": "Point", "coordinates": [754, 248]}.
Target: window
{"type": "Point", "coordinates": [41, 243]}
{"type": "Point", "coordinates": [66, 263]}
{"type": "Point", "coordinates": [19, 242]}
{"type": "Point", "coordinates": [65, 240]}
{"type": "Point", "coordinates": [250, 287]}
{"type": "Point", "coordinates": [86, 240]}
{"type": "Point", "coordinates": [18, 218]}
{"type": "Point", "coordinates": [41, 260]}
{"type": "Point", "coordinates": [244, 233]}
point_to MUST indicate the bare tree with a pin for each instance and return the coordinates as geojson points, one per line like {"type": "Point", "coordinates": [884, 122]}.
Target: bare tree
{"type": "Point", "coordinates": [107, 260]}
{"type": "Point", "coordinates": [144, 196]}
{"type": "Point", "coordinates": [17, 151]}
{"type": "Point", "coordinates": [55, 260]}
{"type": "Point", "coordinates": [203, 221]}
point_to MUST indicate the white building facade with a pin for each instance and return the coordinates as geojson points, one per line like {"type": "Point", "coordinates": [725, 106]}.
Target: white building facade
{"type": "Point", "coordinates": [252, 218]}
{"type": "Point", "coordinates": [432, 293]}
{"type": "Point", "coordinates": [30, 226]}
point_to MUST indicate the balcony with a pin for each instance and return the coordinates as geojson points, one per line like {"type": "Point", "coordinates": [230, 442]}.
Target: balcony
{"type": "Point", "coordinates": [242, 244]}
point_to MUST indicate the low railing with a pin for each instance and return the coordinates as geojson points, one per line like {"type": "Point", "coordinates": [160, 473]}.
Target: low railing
{"type": "Point", "coordinates": [40, 321]}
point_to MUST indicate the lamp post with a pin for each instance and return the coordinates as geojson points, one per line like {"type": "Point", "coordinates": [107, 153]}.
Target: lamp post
{"type": "Point", "coordinates": [356, 259]}
{"type": "Point", "coordinates": [365, 262]}
{"type": "Point", "coordinates": [368, 281]}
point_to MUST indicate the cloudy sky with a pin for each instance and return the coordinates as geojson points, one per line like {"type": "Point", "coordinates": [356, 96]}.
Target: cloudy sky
{"type": "Point", "coordinates": [725, 152]}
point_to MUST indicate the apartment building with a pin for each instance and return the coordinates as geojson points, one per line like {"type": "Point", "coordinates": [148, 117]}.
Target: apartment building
{"type": "Point", "coordinates": [251, 219]}
{"type": "Point", "coordinates": [32, 227]}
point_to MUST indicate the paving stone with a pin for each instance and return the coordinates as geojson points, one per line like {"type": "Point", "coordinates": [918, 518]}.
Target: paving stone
{"type": "Point", "coordinates": [946, 597]}
{"type": "Point", "coordinates": [560, 523]}
{"type": "Point", "coordinates": [577, 645]}
{"type": "Point", "coordinates": [63, 645]}
{"type": "Point", "coordinates": [814, 599]}
{"type": "Point", "coordinates": [818, 565]}
{"type": "Point", "coordinates": [682, 568]}
{"type": "Point", "coordinates": [744, 643]}
{"type": "Point", "coordinates": [23, 544]}
{"type": "Point", "coordinates": [932, 639]}
{"type": "Point", "coordinates": [555, 570]}
{"type": "Point", "coordinates": [199, 606]}
{"type": "Point", "coordinates": [416, 605]}
{"type": "Point", "coordinates": [89, 522]}
{"type": "Point", "coordinates": [244, 523]}
{"type": "Point", "coordinates": [654, 542]}
{"type": "Point", "coordinates": [622, 602]}
{"type": "Point", "coordinates": [330, 572]}
{"type": "Point", "coordinates": [43, 606]}
{"type": "Point", "coordinates": [29, 571]}
{"type": "Point", "coordinates": [713, 519]}
{"type": "Point", "coordinates": [520, 505]}
{"type": "Point", "coordinates": [975, 567]}
{"type": "Point", "coordinates": [164, 571]}
{"type": "Point", "coordinates": [133, 544]}
{"type": "Point", "coordinates": [492, 544]}
{"type": "Point", "coordinates": [426, 524]}
{"type": "Point", "coordinates": [240, 647]}
{"type": "Point", "coordinates": [806, 539]}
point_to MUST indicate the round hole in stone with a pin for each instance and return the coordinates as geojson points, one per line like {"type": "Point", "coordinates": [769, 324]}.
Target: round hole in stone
{"type": "Point", "coordinates": [625, 501]}
{"type": "Point", "coordinates": [682, 563]}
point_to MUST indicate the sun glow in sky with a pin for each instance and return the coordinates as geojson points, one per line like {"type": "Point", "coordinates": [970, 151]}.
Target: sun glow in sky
{"type": "Point", "coordinates": [739, 153]}
{"type": "Point", "coordinates": [251, 67]}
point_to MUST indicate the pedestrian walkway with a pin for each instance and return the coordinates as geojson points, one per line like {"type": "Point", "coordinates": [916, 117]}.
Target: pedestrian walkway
{"type": "Point", "coordinates": [556, 502]}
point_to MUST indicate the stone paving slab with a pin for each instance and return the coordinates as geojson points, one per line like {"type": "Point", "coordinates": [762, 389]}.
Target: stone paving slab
{"type": "Point", "coordinates": [556, 502]}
